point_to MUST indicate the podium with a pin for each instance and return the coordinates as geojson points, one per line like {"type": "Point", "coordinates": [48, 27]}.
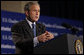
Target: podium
{"type": "Point", "coordinates": [65, 44]}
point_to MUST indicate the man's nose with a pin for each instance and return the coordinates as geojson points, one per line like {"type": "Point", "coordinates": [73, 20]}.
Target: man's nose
{"type": "Point", "coordinates": [37, 12]}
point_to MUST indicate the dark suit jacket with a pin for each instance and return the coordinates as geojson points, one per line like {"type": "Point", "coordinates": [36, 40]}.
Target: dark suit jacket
{"type": "Point", "coordinates": [22, 35]}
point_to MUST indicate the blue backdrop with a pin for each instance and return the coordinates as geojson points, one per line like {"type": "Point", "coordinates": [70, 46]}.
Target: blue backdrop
{"type": "Point", "coordinates": [53, 25]}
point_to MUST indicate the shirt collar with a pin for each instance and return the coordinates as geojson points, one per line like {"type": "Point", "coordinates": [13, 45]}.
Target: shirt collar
{"type": "Point", "coordinates": [30, 23]}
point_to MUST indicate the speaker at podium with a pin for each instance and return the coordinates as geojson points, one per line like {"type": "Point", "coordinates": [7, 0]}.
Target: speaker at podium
{"type": "Point", "coordinates": [65, 44]}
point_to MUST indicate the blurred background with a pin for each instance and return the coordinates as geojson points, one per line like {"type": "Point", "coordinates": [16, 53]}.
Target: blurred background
{"type": "Point", "coordinates": [53, 15]}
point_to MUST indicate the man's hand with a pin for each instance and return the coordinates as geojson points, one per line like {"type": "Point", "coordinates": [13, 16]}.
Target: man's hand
{"type": "Point", "coordinates": [42, 38]}
{"type": "Point", "coordinates": [45, 37]}
{"type": "Point", "coordinates": [49, 35]}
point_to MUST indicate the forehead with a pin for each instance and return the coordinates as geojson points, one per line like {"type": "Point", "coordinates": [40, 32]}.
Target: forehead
{"type": "Point", "coordinates": [35, 6]}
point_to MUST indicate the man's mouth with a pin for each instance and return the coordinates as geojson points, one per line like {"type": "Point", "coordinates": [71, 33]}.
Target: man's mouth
{"type": "Point", "coordinates": [36, 17]}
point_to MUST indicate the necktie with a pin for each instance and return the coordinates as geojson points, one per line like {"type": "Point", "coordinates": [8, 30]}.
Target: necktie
{"type": "Point", "coordinates": [34, 29]}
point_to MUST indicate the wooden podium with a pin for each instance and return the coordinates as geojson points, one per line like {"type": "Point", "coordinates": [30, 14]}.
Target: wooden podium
{"type": "Point", "coordinates": [65, 44]}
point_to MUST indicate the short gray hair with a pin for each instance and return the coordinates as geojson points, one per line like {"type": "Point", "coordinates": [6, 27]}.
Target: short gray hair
{"type": "Point", "coordinates": [29, 4]}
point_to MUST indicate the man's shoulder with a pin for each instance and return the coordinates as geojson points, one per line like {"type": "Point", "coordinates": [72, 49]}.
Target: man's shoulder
{"type": "Point", "coordinates": [20, 23]}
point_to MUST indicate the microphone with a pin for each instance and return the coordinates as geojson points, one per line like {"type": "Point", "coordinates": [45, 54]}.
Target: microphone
{"type": "Point", "coordinates": [68, 26]}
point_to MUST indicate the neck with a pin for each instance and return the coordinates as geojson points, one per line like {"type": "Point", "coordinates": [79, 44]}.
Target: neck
{"type": "Point", "coordinates": [30, 19]}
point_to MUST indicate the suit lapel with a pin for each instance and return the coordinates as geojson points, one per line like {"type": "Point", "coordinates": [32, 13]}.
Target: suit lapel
{"type": "Point", "coordinates": [37, 29]}
{"type": "Point", "coordinates": [27, 26]}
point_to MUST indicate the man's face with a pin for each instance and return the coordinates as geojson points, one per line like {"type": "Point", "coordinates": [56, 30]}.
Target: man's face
{"type": "Point", "coordinates": [34, 13]}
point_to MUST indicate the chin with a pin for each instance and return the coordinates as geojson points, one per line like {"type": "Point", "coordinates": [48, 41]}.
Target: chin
{"type": "Point", "coordinates": [36, 20]}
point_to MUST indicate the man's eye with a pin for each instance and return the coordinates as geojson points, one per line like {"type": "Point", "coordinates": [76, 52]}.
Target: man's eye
{"type": "Point", "coordinates": [34, 10]}
{"type": "Point", "coordinates": [39, 11]}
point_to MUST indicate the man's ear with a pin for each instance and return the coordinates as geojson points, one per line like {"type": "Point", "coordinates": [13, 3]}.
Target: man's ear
{"type": "Point", "coordinates": [27, 13]}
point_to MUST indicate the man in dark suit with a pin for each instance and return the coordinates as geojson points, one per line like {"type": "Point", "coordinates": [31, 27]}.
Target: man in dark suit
{"type": "Point", "coordinates": [25, 35]}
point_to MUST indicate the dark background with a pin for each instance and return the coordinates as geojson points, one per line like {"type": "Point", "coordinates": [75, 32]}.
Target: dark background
{"type": "Point", "coordinates": [63, 9]}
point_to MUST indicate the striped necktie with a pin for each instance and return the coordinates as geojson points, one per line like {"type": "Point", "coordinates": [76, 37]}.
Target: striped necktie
{"type": "Point", "coordinates": [34, 29]}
